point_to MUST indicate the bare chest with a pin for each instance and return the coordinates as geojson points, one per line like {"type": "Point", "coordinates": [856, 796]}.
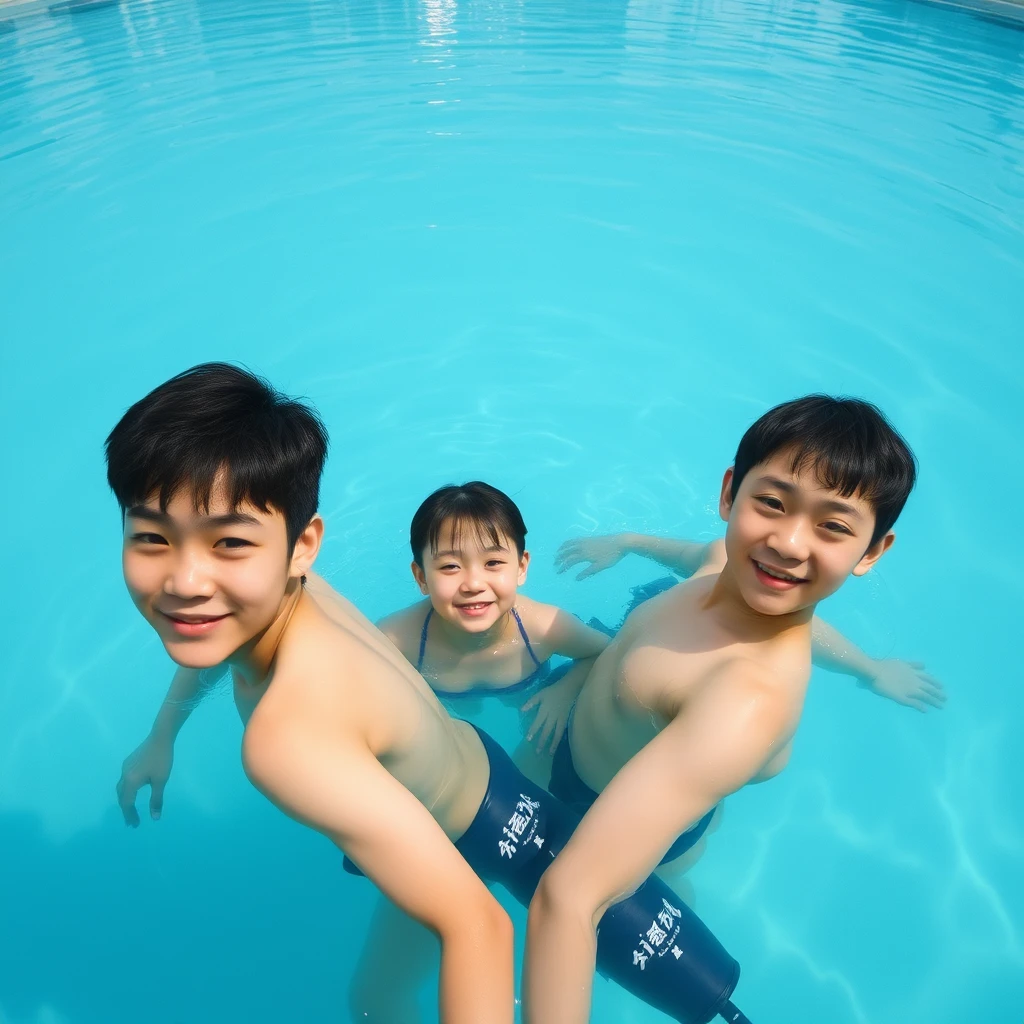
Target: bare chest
{"type": "Point", "coordinates": [505, 665]}
{"type": "Point", "coordinates": [645, 680]}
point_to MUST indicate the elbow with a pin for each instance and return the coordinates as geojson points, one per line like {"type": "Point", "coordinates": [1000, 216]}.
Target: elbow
{"type": "Point", "coordinates": [497, 926]}
{"type": "Point", "coordinates": [561, 901]}
{"type": "Point", "coordinates": [486, 927]}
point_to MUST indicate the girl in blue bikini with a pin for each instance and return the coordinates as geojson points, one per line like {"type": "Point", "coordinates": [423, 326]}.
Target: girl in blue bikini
{"type": "Point", "coordinates": [475, 635]}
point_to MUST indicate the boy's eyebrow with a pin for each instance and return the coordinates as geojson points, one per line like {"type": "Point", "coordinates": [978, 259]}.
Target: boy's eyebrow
{"type": "Point", "coordinates": [228, 519]}
{"type": "Point", "coordinates": [831, 503]}
{"type": "Point", "coordinates": [152, 514]}
{"type": "Point", "coordinates": [782, 485]}
{"type": "Point", "coordinates": [841, 506]}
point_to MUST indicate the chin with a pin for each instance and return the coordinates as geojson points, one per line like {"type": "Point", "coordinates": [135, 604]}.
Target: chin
{"type": "Point", "coordinates": [197, 655]}
{"type": "Point", "coordinates": [479, 625]}
{"type": "Point", "coordinates": [764, 604]}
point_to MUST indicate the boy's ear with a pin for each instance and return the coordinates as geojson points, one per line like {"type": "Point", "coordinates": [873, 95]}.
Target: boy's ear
{"type": "Point", "coordinates": [874, 553]}
{"type": "Point", "coordinates": [419, 576]}
{"type": "Point", "coordinates": [307, 547]}
{"type": "Point", "coordinates": [725, 498]}
{"type": "Point", "coordinates": [524, 564]}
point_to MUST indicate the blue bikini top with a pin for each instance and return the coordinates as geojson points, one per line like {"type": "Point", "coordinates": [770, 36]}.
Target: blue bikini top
{"type": "Point", "coordinates": [537, 675]}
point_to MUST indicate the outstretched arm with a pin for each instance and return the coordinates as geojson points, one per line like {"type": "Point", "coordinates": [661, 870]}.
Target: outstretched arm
{"type": "Point", "coordinates": [722, 741]}
{"type": "Point", "coordinates": [905, 682]}
{"type": "Point", "coordinates": [336, 786]}
{"type": "Point", "coordinates": [682, 556]}
{"type": "Point", "coordinates": [150, 763]}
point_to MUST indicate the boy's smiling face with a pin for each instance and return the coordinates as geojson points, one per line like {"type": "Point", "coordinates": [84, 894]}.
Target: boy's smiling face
{"type": "Point", "coordinates": [791, 541]}
{"type": "Point", "coordinates": [209, 581]}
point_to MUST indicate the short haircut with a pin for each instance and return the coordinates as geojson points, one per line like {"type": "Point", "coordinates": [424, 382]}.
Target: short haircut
{"type": "Point", "coordinates": [217, 417]}
{"type": "Point", "coordinates": [850, 445]}
{"type": "Point", "coordinates": [484, 508]}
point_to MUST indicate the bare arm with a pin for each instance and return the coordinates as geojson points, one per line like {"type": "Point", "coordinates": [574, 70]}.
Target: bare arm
{"type": "Point", "coordinates": [682, 556]}
{"type": "Point", "coordinates": [336, 786]}
{"type": "Point", "coordinates": [905, 682]}
{"type": "Point", "coordinates": [570, 638]}
{"type": "Point", "coordinates": [150, 763]}
{"type": "Point", "coordinates": [722, 740]}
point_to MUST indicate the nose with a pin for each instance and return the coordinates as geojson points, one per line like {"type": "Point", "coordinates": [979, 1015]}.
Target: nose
{"type": "Point", "coordinates": [471, 583]}
{"type": "Point", "coordinates": [188, 577]}
{"type": "Point", "coordinates": [790, 540]}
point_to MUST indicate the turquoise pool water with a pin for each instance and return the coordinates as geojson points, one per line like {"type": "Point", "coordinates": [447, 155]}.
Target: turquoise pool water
{"type": "Point", "coordinates": [575, 250]}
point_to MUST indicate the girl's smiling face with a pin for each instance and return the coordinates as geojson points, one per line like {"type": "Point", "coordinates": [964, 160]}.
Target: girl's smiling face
{"type": "Point", "coordinates": [473, 575]}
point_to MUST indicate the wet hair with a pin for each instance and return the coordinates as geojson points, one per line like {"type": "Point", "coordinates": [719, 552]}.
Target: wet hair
{"type": "Point", "coordinates": [490, 512]}
{"type": "Point", "coordinates": [850, 445]}
{"type": "Point", "coordinates": [217, 417]}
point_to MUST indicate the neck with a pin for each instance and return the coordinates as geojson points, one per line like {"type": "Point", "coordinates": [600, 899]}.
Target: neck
{"type": "Point", "coordinates": [726, 604]}
{"type": "Point", "coordinates": [252, 662]}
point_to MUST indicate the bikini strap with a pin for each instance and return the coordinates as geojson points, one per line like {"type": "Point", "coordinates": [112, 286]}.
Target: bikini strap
{"type": "Point", "coordinates": [423, 639]}
{"type": "Point", "coordinates": [526, 639]}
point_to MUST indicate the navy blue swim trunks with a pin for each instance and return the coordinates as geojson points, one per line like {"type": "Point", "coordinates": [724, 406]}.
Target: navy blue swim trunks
{"type": "Point", "coordinates": [578, 796]}
{"type": "Point", "coordinates": [565, 781]}
{"type": "Point", "coordinates": [651, 943]}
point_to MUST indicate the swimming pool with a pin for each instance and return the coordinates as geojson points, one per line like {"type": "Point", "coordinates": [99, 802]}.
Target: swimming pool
{"type": "Point", "coordinates": [574, 252]}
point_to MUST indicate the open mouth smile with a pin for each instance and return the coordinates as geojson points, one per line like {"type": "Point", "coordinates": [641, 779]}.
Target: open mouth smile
{"type": "Point", "coordinates": [475, 608]}
{"type": "Point", "coordinates": [777, 579]}
{"type": "Point", "coordinates": [193, 625]}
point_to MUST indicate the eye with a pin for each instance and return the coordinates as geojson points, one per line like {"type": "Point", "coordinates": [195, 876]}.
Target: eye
{"type": "Point", "coordinates": [233, 543]}
{"type": "Point", "coordinates": [448, 567]}
{"type": "Point", "coordinates": [495, 562]}
{"type": "Point", "coordinates": [769, 502]}
{"type": "Point", "coordinates": [834, 527]}
{"type": "Point", "coordinates": [148, 538]}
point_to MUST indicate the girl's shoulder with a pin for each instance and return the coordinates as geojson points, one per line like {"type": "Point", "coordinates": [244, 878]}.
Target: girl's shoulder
{"type": "Point", "coordinates": [538, 618]}
{"type": "Point", "coordinates": [403, 628]}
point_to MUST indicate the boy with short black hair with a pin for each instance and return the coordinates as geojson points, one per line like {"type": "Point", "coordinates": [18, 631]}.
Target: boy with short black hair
{"type": "Point", "coordinates": [701, 691]}
{"type": "Point", "coordinates": [217, 476]}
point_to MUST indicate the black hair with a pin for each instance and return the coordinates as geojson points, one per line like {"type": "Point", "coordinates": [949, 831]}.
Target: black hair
{"type": "Point", "coordinates": [217, 417]}
{"type": "Point", "coordinates": [492, 513]}
{"type": "Point", "coordinates": [849, 443]}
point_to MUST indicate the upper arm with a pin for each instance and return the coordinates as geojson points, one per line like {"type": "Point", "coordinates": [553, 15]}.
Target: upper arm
{"type": "Point", "coordinates": [717, 744]}
{"type": "Point", "coordinates": [571, 638]}
{"type": "Point", "coordinates": [336, 786]}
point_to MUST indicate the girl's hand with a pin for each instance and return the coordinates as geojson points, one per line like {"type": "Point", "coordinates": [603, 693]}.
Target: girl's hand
{"type": "Point", "coordinates": [553, 704]}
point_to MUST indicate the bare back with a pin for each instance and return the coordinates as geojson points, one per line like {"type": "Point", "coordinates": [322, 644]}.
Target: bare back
{"type": "Point", "coordinates": [335, 670]}
{"type": "Point", "coordinates": [667, 651]}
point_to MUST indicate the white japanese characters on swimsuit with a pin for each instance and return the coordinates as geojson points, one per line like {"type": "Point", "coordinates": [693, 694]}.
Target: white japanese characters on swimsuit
{"type": "Point", "coordinates": [521, 827]}
{"type": "Point", "coordinates": [657, 940]}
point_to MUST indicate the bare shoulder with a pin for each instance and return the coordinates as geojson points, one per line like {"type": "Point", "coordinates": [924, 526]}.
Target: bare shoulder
{"type": "Point", "coordinates": [403, 628]}
{"type": "Point", "coordinates": [320, 672]}
{"type": "Point", "coordinates": [749, 691]}
{"type": "Point", "coordinates": [288, 722]}
{"type": "Point", "coordinates": [656, 619]}
{"type": "Point", "coordinates": [538, 618]}
{"type": "Point", "coordinates": [713, 558]}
